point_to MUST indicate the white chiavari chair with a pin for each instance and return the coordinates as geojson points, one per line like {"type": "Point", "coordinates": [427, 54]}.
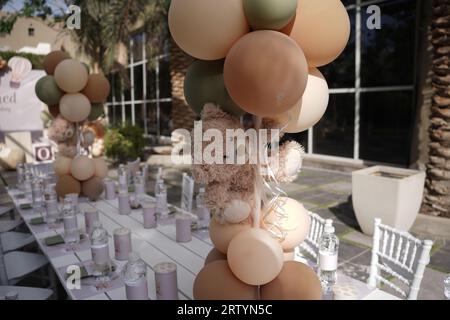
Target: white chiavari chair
{"type": "Point", "coordinates": [398, 255]}
{"type": "Point", "coordinates": [311, 243]}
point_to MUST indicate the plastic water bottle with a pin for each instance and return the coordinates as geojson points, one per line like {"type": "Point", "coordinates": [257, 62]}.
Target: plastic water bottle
{"type": "Point", "coordinates": [447, 287]}
{"type": "Point", "coordinates": [202, 210]}
{"type": "Point", "coordinates": [20, 176]}
{"type": "Point", "coordinates": [161, 198]}
{"type": "Point", "coordinates": [37, 193]}
{"type": "Point", "coordinates": [328, 257]}
{"type": "Point", "coordinates": [139, 187]}
{"type": "Point", "coordinates": [71, 230]}
{"type": "Point", "coordinates": [123, 178]}
{"type": "Point", "coordinates": [135, 278]}
{"type": "Point", "coordinates": [28, 187]}
{"type": "Point", "coordinates": [100, 248]}
{"type": "Point", "coordinates": [51, 206]}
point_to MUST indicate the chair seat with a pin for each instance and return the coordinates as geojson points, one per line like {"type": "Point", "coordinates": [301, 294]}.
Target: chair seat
{"type": "Point", "coordinates": [9, 225]}
{"type": "Point", "coordinates": [15, 240]}
{"type": "Point", "coordinates": [19, 264]}
{"type": "Point", "coordinates": [26, 293]}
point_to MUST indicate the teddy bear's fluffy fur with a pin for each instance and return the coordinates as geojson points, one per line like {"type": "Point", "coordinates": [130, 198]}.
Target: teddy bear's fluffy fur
{"type": "Point", "coordinates": [229, 182]}
{"type": "Point", "coordinates": [61, 130]}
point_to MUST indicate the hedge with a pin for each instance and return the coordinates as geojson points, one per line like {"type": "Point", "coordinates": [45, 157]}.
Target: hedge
{"type": "Point", "coordinates": [35, 59]}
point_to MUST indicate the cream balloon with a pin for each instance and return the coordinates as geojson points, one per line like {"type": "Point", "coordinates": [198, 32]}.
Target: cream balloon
{"type": "Point", "coordinates": [321, 28]}
{"type": "Point", "coordinates": [75, 107]}
{"type": "Point", "coordinates": [255, 257]}
{"type": "Point", "coordinates": [221, 234]}
{"type": "Point", "coordinates": [296, 224]}
{"type": "Point", "coordinates": [101, 168]}
{"type": "Point", "coordinates": [82, 168]}
{"type": "Point", "coordinates": [71, 76]}
{"type": "Point", "coordinates": [207, 29]}
{"type": "Point", "coordinates": [62, 165]}
{"type": "Point", "coordinates": [311, 108]}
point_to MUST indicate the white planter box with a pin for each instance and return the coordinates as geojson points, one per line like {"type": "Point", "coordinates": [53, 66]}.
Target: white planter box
{"type": "Point", "coordinates": [392, 194]}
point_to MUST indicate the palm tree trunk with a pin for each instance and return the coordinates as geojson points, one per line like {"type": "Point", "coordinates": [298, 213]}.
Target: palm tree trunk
{"type": "Point", "coordinates": [182, 114]}
{"type": "Point", "coordinates": [437, 187]}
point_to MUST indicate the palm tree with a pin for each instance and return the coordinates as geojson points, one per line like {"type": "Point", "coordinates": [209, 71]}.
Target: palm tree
{"type": "Point", "coordinates": [437, 186]}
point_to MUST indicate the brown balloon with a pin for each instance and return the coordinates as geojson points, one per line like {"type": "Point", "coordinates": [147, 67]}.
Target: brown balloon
{"type": "Point", "coordinates": [66, 185]}
{"type": "Point", "coordinates": [54, 110]}
{"type": "Point", "coordinates": [97, 88]}
{"type": "Point", "coordinates": [265, 73]}
{"type": "Point", "coordinates": [296, 281]}
{"type": "Point", "coordinates": [53, 59]}
{"type": "Point", "coordinates": [216, 282]}
{"type": "Point", "coordinates": [215, 255]}
{"type": "Point", "coordinates": [92, 188]}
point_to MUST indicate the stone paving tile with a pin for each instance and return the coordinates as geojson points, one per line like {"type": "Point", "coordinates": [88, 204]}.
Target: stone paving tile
{"type": "Point", "coordinates": [355, 271]}
{"type": "Point", "coordinates": [432, 286]}
{"type": "Point", "coordinates": [440, 260]}
{"type": "Point", "coordinates": [340, 187]}
{"type": "Point", "coordinates": [293, 187]}
{"type": "Point", "coordinates": [348, 251]}
{"type": "Point", "coordinates": [359, 237]}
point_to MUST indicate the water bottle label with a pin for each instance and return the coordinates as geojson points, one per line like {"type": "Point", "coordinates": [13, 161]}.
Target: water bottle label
{"type": "Point", "coordinates": [70, 223]}
{"type": "Point", "coordinates": [100, 254]}
{"type": "Point", "coordinates": [161, 202]}
{"type": "Point", "coordinates": [328, 262]}
{"type": "Point", "coordinates": [137, 290]}
{"type": "Point", "coordinates": [139, 188]}
{"type": "Point", "coordinates": [122, 179]}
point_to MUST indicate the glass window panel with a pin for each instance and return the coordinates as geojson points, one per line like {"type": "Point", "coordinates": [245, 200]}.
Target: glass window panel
{"type": "Point", "coordinates": [116, 115]}
{"type": "Point", "coordinates": [138, 43]}
{"type": "Point", "coordinates": [165, 84]}
{"type": "Point", "coordinates": [151, 118]}
{"type": "Point", "coordinates": [341, 72]}
{"type": "Point", "coordinates": [151, 84]}
{"type": "Point", "coordinates": [386, 124]}
{"type": "Point", "coordinates": [117, 87]}
{"type": "Point", "coordinates": [388, 54]}
{"type": "Point", "coordinates": [138, 83]}
{"type": "Point", "coordinates": [334, 134]}
{"type": "Point", "coordinates": [140, 115]}
{"type": "Point", "coordinates": [128, 111]}
{"type": "Point", "coordinates": [166, 123]}
{"type": "Point", "coordinates": [111, 91]}
{"type": "Point", "coordinates": [127, 87]}
{"type": "Point", "coordinates": [348, 2]}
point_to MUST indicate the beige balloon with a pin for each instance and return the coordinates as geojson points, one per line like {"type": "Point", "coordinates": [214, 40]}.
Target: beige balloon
{"type": "Point", "coordinates": [237, 211]}
{"type": "Point", "coordinates": [101, 168]}
{"type": "Point", "coordinates": [75, 107]}
{"type": "Point", "coordinates": [71, 76]}
{"type": "Point", "coordinates": [221, 234]}
{"type": "Point", "coordinates": [296, 224]}
{"type": "Point", "coordinates": [207, 29]}
{"type": "Point", "coordinates": [322, 29]}
{"type": "Point", "coordinates": [82, 168]}
{"type": "Point", "coordinates": [255, 257]}
{"type": "Point", "coordinates": [311, 108]}
{"type": "Point", "coordinates": [62, 165]}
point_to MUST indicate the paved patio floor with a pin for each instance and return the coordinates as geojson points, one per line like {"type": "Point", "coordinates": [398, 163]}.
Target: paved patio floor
{"type": "Point", "coordinates": [328, 194]}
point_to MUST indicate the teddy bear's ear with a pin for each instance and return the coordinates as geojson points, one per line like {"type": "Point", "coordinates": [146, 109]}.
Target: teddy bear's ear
{"type": "Point", "coordinates": [210, 111]}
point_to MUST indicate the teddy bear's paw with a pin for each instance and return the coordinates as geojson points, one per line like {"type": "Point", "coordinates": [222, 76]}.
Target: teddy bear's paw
{"type": "Point", "coordinates": [237, 211]}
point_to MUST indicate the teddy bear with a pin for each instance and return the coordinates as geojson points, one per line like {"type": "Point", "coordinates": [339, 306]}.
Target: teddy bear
{"type": "Point", "coordinates": [229, 187]}
{"type": "Point", "coordinates": [61, 130]}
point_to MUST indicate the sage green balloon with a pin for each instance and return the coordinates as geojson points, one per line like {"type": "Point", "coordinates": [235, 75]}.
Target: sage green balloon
{"type": "Point", "coordinates": [96, 111]}
{"type": "Point", "coordinates": [47, 91]}
{"type": "Point", "coordinates": [269, 14]}
{"type": "Point", "coordinates": [204, 84]}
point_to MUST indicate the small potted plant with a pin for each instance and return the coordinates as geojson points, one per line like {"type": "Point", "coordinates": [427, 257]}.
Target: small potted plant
{"type": "Point", "coordinates": [392, 194]}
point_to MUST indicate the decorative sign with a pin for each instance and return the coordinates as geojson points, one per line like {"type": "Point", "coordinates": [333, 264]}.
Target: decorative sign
{"type": "Point", "coordinates": [187, 194]}
{"type": "Point", "coordinates": [43, 152]}
{"type": "Point", "coordinates": [20, 108]}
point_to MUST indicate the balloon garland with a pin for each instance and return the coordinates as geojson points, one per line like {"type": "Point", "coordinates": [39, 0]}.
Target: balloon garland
{"type": "Point", "coordinates": [271, 49]}
{"type": "Point", "coordinates": [74, 99]}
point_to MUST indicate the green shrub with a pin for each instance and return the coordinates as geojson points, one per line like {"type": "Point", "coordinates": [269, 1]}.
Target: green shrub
{"type": "Point", "coordinates": [35, 59]}
{"type": "Point", "coordinates": [124, 143]}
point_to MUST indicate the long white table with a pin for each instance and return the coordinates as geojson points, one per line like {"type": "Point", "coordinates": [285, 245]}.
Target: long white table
{"type": "Point", "coordinates": [153, 245]}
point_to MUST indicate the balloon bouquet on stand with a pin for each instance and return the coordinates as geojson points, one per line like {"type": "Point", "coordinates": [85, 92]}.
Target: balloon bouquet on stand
{"type": "Point", "coordinates": [74, 99]}
{"type": "Point", "coordinates": [258, 58]}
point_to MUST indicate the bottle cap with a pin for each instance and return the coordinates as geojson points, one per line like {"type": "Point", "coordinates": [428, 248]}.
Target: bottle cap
{"type": "Point", "coordinates": [133, 257]}
{"type": "Point", "coordinates": [201, 190]}
{"type": "Point", "coordinates": [329, 229]}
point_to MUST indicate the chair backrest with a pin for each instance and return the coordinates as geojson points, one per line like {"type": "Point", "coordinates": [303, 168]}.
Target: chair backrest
{"type": "Point", "coordinates": [317, 225]}
{"type": "Point", "coordinates": [401, 256]}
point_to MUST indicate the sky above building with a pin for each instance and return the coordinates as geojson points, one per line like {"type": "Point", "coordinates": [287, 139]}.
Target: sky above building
{"type": "Point", "coordinates": [58, 6]}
